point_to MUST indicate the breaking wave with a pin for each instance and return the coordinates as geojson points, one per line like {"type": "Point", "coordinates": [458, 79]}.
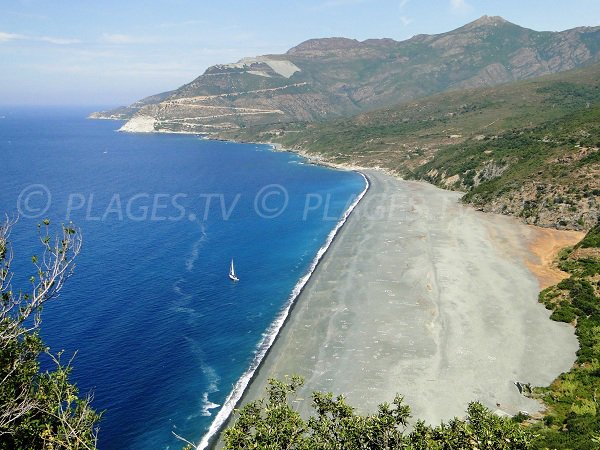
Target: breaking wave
{"type": "Point", "coordinates": [271, 334]}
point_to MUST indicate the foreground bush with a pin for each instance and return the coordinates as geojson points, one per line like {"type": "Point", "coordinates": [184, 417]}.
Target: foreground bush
{"type": "Point", "coordinates": [273, 423]}
{"type": "Point", "coordinates": [38, 410]}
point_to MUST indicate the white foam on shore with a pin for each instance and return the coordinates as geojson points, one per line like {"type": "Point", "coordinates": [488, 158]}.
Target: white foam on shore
{"type": "Point", "coordinates": [271, 334]}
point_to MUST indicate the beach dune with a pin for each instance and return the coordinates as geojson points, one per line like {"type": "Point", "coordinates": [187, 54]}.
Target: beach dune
{"type": "Point", "coordinates": [422, 296]}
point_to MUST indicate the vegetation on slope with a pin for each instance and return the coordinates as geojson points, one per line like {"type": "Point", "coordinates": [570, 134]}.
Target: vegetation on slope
{"type": "Point", "coordinates": [273, 423]}
{"type": "Point", "coordinates": [573, 417]}
{"type": "Point", "coordinates": [529, 148]}
{"type": "Point", "coordinates": [38, 409]}
{"type": "Point", "coordinates": [547, 174]}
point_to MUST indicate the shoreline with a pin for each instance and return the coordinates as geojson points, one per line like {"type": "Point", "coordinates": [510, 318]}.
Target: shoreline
{"type": "Point", "coordinates": [313, 158]}
{"type": "Point", "coordinates": [544, 270]}
{"type": "Point", "coordinates": [318, 160]}
{"type": "Point", "coordinates": [272, 333]}
{"type": "Point", "coordinates": [400, 309]}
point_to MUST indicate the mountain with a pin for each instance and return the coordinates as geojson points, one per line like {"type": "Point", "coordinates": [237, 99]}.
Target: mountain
{"type": "Point", "coordinates": [126, 112]}
{"type": "Point", "coordinates": [339, 77]}
{"type": "Point", "coordinates": [529, 148]}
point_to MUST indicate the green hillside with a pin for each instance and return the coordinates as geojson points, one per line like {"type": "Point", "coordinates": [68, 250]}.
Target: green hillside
{"type": "Point", "coordinates": [572, 420]}
{"type": "Point", "coordinates": [527, 148]}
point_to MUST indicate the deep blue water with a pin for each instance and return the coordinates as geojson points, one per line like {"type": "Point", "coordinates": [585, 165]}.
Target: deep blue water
{"type": "Point", "coordinates": [160, 332]}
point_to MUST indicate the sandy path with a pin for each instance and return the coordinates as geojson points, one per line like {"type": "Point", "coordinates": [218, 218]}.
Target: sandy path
{"type": "Point", "coordinates": [422, 296]}
{"type": "Point", "coordinates": [545, 247]}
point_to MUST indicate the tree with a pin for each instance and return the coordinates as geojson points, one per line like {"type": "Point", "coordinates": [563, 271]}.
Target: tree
{"type": "Point", "coordinates": [272, 423]}
{"type": "Point", "coordinates": [38, 409]}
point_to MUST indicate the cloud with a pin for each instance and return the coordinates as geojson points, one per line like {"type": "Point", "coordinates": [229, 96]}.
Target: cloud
{"type": "Point", "coordinates": [404, 18]}
{"type": "Point", "coordinates": [58, 41]}
{"type": "Point", "coordinates": [460, 5]}
{"type": "Point", "coordinates": [7, 37]}
{"type": "Point", "coordinates": [124, 39]}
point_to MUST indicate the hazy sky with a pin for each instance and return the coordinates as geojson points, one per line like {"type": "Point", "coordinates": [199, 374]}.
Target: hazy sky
{"type": "Point", "coordinates": [109, 52]}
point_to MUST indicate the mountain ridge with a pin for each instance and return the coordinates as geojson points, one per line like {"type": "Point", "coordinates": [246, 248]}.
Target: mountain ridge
{"type": "Point", "coordinates": [529, 148]}
{"type": "Point", "coordinates": [338, 77]}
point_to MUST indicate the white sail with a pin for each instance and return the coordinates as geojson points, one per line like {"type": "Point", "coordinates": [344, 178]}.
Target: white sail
{"type": "Point", "coordinates": [232, 274]}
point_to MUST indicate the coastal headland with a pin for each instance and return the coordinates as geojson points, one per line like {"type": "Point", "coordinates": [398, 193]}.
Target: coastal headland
{"type": "Point", "coordinates": [423, 296]}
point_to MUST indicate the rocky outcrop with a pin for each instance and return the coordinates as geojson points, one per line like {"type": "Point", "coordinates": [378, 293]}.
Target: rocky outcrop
{"type": "Point", "coordinates": [319, 47]}
{"type": "Point", "coordinates": [140, 124]}
{"type": "Point", "coordinates": [488, 172]}
{"type": "Point", "coordinates": [545, 205]}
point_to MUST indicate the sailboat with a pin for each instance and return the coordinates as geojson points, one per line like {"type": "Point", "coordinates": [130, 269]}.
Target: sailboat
{"type": "Point", "coordinates": [232, 274]}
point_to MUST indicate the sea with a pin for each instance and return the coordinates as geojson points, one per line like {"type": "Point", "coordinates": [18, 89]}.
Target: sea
{"type": "Point", "coordinates": [157, 331]}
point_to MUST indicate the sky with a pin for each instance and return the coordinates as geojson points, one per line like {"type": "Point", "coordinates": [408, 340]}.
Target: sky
{"type": "Point", "coordinates": [107, 52]}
